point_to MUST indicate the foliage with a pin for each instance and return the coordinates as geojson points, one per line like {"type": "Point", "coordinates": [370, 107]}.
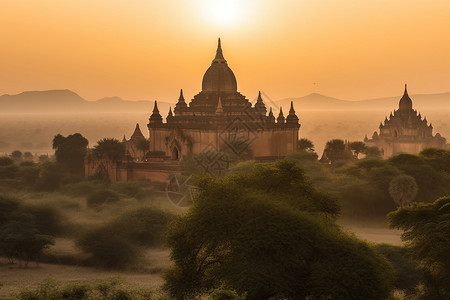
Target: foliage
{"type": "Point", "coordinates": [373, 151]}
{"type": "Point", "coordinates": [268, 233]}
{"type": "Point", "coordinates": [403, 189]}
{"type": "Point", "coordinates": [110, 289]}
{"type": "Point", "coordinates": [116, 244]}
{"type": "Point", "coordinates": [101, 197]}
{"type": "Point", "coordinates": [70, 151]}
{"type": "Point", "coordinates": [336, 150]}
{"type": "Point", "coordinates": [17, 156]}
{"type": "Point", "coordinates": [305, 145]}
{"type": "Point", "coordinates": [28, 156]}
{"type": "Point", "coordinates": [20, 239]}
{"type": "Point", "coordinates": [407, 273]}
{"type": "Point", "coordinates": [427, 237]}
{"type": "Point", "coordinates": [358, 147]}
{"type": "Point", "coordinates": [109, 148]}
{"type": "Point", "coordinates": [5, 161]}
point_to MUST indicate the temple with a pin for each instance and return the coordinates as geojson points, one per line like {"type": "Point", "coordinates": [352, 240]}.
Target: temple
{"type": "Point", "coordinates": [405, 131]}
{"type": "Point", "coordinates": [219, 119]}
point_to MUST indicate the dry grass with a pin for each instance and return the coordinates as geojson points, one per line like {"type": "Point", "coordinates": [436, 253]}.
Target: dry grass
{"type": "Point", "coordinates": [14, 278]}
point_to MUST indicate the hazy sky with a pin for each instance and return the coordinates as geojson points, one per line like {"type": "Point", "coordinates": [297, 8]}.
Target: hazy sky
{"type": "Point", "coordinates": [148, 49]}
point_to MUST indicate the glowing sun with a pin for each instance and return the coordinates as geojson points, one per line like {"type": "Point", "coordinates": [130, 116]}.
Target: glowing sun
{"type": "Point", "coordinates": [223, 12]}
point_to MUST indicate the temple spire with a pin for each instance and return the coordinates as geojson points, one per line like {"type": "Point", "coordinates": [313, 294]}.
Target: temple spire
{"type": "Point", "coordinates": [280, 118]}
{"type": "Point", "coordinates": [181, 98]}
{"type": "Point", "coordinates": [406, 90]}
{"type": "Point", "coordinates": [292, 117]}
{"type": "Point", "coordinates": [260, 106]}
{"type": "Point", "coordinates": [155, 117]}
{"type": "Point", "coordinates": [219, 109]}
{"type": "Point", "coordinates": [170, 112]}
{"type": "Point", "coordinates": [219, 55]}
{"type": "Point", "coordinates": [155, 108]}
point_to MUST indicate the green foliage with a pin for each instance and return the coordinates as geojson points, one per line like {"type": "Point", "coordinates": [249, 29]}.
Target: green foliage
{"type": "Point", "coordinates": [427, 235]}
{"type": "Point", "coordinates": [336, 150]}
{"type": "Point", "coordinates": [107, 248]}
{"type": "Point", "coordinates": [305, 145]}
{"type": "Point", "coordinates": [268, 233]}
{"type": "Point", "coordinates": [403, 189]}
{"type": "Point", "coordinates": [17, 156]}
{"type": "Point", "coordinates": [117, 243]}
{"type": "Point", "coordinates": [225, 294]}
{"type": "Point", "coordinates": [70, 151]}
{"type": "Point", "coordinates": [109, 148]}
{"type": "Point", "coordinates": [5, 161]}
{"type": "Point", "coordinates": [99, 198]}
{"type": "Point", "coordinates": [358, 147]}
{"type": "Point", "coordinates": [407, 273]}
{"type": "Point", "coordinates": [110, 289]}
{"type": "Point", "coordinates": [373, 151]}
{"type": "Point", "coordinates": [20, 239]}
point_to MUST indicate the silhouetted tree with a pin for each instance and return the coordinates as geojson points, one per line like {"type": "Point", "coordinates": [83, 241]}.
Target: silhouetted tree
{"type": "Point", "coordinates": [305, 145]}
{"type": "Point", "coordinates": [109, 148]}
{"type": "Point", "coordinates": [357, 147]}
{"type": "Point", "coordinates": [427, 235]}
{"type": "Point", "coordinates": [373, 151]}
{"type": "Point", "coordinates": [17, 156]}
{"type": "Point", "coordinates": [5, 161]}
{"type": "Point", "coordinates": [336, 150]}
{"type": "Point", "coordinates": [403, 189]}
{"type": "Point", "coordinates": [270, 235]}
{"type": "Point", "coordinates": [28, 156]}
{"type": "Point", "coordinates": [70, 151]}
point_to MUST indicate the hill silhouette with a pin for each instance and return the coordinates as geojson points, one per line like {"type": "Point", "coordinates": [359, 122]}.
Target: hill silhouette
{"type": "Point", "coordinates": [320, 102]}
{"type": "Point", "coordinates": [66, 101]}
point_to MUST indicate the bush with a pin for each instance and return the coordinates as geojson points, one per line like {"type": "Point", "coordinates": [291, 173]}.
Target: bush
{"type": "Point", "coordinates": [102, 197]}
{"type": "Point", "coordinates": [110, 289]}
{"type": "Point", "coordinates": [46, 219]}
{"type": "Point", "coordinates": [5, 161]}
{"type": "Point", "coordinates": [107, 248]}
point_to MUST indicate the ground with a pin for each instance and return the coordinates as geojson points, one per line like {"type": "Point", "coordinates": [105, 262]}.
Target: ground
{"type": "Point", "coordinates": [14, 278]}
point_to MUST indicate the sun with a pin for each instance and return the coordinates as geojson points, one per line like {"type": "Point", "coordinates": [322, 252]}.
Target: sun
{"type": "Point", "coordinates": [223, 12]}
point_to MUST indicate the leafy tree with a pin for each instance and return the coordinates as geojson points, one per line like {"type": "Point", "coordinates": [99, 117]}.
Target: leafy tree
{"type": "Point", "coordinates": [17, 156]}
{"type": "Point", "coordinates": [109, 148]}
{"type": "Point", "coordinates": [357, 147]}
{"type": "Point", "coordinates": [403, 189]}
{"type": "Point", "coordinates": [269, 234]}
{"type": "Point", "coordinates": [5, 161]}
{"type": "Point", "coordinates": [427, 235]}
{"type": "Point", "coordinates": [43, 158]}
{"type": "Point", "coordinates": [439, 159]}
{"type": "Point", "coordinates": [143, 145]}
{"type": "Point", "coordinates": [20, 239]}
{"type": "Point", "coordinates": [28, 156]}
{"type": "Point", "coordinates": [305, 145]}
{"type": "Point", "coordinates": [337, 150]}
{"type": "Point", "coordinates": [373, 151]}
{"type": "Point", "coordinates": [70, 151]}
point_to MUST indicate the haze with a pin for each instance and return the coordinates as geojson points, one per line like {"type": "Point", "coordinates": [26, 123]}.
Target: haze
{"type": "Point", "coordinates": [150, 49]}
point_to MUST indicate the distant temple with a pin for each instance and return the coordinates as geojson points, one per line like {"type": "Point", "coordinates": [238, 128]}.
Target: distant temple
{"type": "Point", "coordinates": [405, 131]}
{"type": "Point", "coordinates": [219, 119]}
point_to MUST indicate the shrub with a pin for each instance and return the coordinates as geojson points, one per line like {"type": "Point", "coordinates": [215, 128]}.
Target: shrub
{"type": "Point", "coordinates": [5, 161]}
{"type": "Point", "coordinates": [107, 248]}
{"type": "Point", "coordinates": [100, 198]}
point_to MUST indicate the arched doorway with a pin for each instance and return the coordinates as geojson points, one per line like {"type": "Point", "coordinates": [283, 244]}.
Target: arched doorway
{"type": "Point", "coordinates": [175, 154]}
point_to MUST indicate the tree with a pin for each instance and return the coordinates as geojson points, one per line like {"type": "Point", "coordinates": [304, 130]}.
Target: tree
{"type": "Point", "coordinates": [358, 147]}
{"type": "Point", "coordinates": [5, 161]}
{"type": "Point", "coordinates": [403, 189]}
{"type": "Point", "coordinates": [70, 151]}
{"type": "Point", "coordinates": [305, 145]}
{"type": "Point", "coordinates": [28, 156]}
{"type": "Point", "coordinates": [270, 234]}
{"type": "Point", "coordinates": [373, 151]}
{"type": "Point", "coordinates": [143, 145]}
{"type": "Point", "coordinates": [336, 150]}
{"type": "Point", "coordinates": [427, 235]}
{"type": "Point", "coordinates": [17, 156]}
{"type": "Point", "coordinates": [19, 239]}
{"type": "Point", "coordinates": [109, 148]}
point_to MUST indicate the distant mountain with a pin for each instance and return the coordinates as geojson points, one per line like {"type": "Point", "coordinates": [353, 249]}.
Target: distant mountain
{"type": "Point", "coordinates": [68, 101]}
{"type": "Point", "coordinates": [320, 102]}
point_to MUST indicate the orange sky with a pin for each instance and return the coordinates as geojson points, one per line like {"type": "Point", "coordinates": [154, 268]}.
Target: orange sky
{"type": "Point", "coordinates": [149, 49]}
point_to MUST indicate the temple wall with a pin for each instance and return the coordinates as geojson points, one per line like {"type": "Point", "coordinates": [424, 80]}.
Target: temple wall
{"type": "Point", "coordinates": [270, 142]}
